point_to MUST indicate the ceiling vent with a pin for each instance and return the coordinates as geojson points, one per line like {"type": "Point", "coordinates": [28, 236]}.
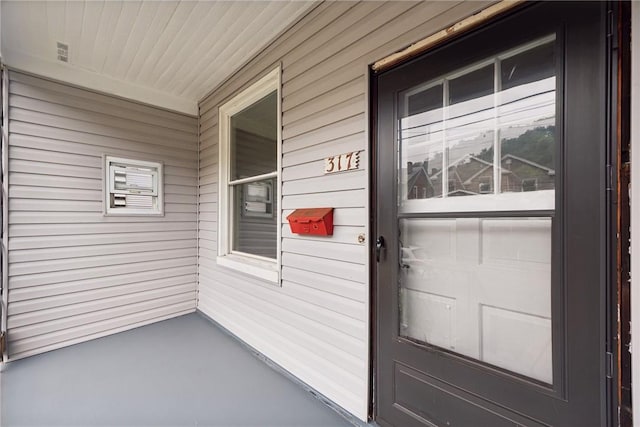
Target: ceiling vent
{"type": "Point", "coordinates": [63, 52]}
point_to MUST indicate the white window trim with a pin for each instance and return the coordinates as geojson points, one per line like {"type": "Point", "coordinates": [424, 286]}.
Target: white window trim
{"type": "Point", "coordinates": [106, 187]}
{"type": "Point", "coordinates": [264, 268]}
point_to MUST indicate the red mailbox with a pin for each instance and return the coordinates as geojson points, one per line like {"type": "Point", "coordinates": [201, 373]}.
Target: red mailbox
{"type": "Point", "coordinates": [317, 221]}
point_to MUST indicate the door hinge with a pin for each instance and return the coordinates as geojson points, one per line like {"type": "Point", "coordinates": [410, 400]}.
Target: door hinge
{"type": "Point", "coordinates": [609, 362]}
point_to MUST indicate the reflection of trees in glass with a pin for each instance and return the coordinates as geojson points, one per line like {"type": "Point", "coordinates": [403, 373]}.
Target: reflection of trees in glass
{"type": "Point", "coordinates": [527, 164]}
{"type": "Point", "coordinates": [535, 145]}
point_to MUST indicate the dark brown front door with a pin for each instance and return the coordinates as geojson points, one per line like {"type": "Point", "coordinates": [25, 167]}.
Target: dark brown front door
{"type": "Point", "coordinates": [490, 183]}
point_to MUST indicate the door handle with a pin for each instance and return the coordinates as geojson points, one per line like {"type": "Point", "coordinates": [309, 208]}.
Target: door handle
{"type": "Point", "coordinates": [379, 247]}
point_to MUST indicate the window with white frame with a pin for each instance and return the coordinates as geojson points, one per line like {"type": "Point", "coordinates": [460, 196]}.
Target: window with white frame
{"type": "Point", "coordinates": [249, 153]}
{"type": "Point", "coordinates": [132, 187]}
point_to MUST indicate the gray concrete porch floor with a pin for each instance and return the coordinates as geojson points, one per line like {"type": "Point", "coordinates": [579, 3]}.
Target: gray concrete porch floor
{"type": "Point", "coordinates": [179, 372]}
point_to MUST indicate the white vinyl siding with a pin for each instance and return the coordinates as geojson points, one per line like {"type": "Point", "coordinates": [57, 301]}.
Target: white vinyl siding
{"type": "Point", "coordinates": [75, 274]}
{"type": "Point", "coordinates": [317, 324]}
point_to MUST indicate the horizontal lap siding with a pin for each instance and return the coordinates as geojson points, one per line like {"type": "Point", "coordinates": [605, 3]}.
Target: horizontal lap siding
{"type": "Point", "coordinates": [74, 274]}
{"type": "Point", "coordinates": [317, 324]}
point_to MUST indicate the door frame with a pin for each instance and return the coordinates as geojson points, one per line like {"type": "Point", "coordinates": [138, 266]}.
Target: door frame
{"type": "Point", "coordinates": [615, 121]}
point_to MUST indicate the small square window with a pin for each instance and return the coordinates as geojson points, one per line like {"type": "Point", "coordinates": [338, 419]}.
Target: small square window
{"type": "Point", "coordinates": [529, 184]}
{"type": "Point", "coordinates": [132, 187]}
{"type": "Point", "coordinates": [484, 187]}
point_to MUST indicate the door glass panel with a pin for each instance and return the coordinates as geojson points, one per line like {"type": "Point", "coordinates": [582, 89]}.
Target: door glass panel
{"type": "Point", "coordinates": [526, 118]}
{"type": "Point", "coordinates": [480, 139]}
{"type": "Point", "coordinates": [480, 287]}
{"type": "Point", "coordinates": [469, 129]}
{"type": "Point", "coordinates": [486, 131]}
{"type": "Point", "coordinates": [422, 135]}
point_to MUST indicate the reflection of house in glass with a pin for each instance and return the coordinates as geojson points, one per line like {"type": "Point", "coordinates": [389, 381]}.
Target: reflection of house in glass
{"type": "Point", "coordinates": [517, 174]}
{"type": "Point", "coordinates": [471, 175]}
{"type": "Point", "coordinates": [418, 183]}
{"type": "Point", "coordinates": [460, 172]}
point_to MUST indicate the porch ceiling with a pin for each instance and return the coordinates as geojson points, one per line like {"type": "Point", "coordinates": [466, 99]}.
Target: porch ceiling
{"type": "Point", "coordinates": [164, 53]}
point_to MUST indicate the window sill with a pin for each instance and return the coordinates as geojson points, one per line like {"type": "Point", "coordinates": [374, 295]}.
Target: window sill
{"type": "Point", "coordinates": [133, 212]}
{"type": "Point", "coordinates": [267, 270]}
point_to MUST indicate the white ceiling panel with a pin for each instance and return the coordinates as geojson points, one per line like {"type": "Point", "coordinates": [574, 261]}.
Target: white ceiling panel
{"type": "Point", "coordinates": [166, 53]}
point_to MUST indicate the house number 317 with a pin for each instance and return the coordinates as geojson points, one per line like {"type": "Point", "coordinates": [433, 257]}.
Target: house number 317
{"type": "Point", "coordinates": [342, 162]}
